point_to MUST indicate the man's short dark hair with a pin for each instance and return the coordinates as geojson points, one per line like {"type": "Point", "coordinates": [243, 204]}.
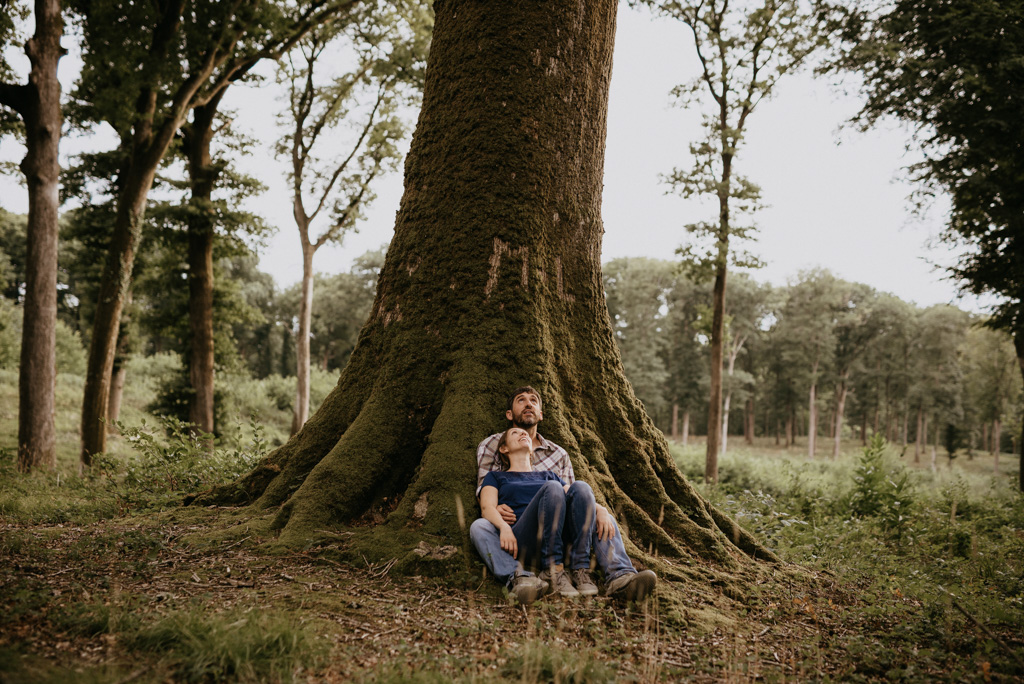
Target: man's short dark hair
{"type": "Point", "coordinates": [522, 390]}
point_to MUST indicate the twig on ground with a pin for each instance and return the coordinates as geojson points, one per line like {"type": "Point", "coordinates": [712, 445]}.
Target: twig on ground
{"type": "Point", "coordinates": [135, 675]}
{"type": "Point", "coordinates": [989, 633]}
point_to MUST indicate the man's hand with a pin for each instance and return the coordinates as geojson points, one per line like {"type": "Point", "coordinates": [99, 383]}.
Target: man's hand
{"type": "Point", "coordinates": [507, 514]}
{"type": "Point", "coordinates": [508, 541]}
{"type": "Point", "coordinates": [605, 524]}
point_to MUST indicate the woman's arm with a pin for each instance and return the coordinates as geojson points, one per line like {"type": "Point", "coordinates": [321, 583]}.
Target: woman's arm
{"type": "Point", "coordinates": [489, 508]}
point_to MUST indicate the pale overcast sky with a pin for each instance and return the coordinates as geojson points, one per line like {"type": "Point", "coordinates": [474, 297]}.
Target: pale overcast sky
{"type": "Point", "coordinates": [836, 197]}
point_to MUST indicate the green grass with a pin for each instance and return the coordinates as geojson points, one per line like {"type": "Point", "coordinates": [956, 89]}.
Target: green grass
{"type": "Point", "coordinates": [954, 545]}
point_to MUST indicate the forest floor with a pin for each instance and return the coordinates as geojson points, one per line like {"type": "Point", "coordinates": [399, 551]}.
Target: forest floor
{"type": "Point", "coordinates": [104, 577]}
{"type": "Point", "coordinates": [150, 598]}
{"type": "Point", "coordinates": [133, 600]}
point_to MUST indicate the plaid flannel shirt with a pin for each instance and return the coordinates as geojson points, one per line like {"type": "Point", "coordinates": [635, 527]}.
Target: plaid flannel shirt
{"type": "Point", "coordinates": [546, 456]}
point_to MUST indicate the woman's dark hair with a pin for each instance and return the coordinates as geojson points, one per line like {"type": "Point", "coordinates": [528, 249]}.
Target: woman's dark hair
{"type": "Point", "coordinates": [502, 456]}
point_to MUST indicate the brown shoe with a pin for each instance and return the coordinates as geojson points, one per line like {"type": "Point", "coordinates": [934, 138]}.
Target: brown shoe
{"type": "Point", "coordinates": [633, 586]}
{"type": "Point", "coordinates": [528, 588]}
{"type": "Point", "coordinates": [584, 583]}
{"type": "Point", "coordinates": [559, 581]}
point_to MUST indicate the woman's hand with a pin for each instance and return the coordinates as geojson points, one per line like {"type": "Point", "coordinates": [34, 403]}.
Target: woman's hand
{"type": "Point", "coordinates": [508, 541]}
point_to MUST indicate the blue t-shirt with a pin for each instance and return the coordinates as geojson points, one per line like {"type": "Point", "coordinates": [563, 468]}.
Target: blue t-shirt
{"type": "Point", "coordinates": [518, 489]}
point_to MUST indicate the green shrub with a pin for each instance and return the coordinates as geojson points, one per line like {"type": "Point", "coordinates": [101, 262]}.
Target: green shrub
{"type": "Point", "coordinates": [70, 353]}
{"type": "Point", "coordinates": [881, 492]}
{"type": "Point", "coordinates": [173, 461]}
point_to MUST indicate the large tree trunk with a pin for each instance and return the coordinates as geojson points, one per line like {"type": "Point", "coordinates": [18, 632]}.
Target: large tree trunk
{"type": "Point", "coordinates": [301, 413]}
{"type": "Point", "coordinates": [492, 280]}
{"type": "Point", "coordinates": [837, 433]}
{"type": "Point", "coordinates": [203, 175]}
{"type": "Point", "coordinates": [38, 104]}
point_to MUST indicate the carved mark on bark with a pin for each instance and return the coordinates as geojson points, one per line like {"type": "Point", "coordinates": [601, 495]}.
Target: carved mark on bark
{"type": "Point", "coordinates": [562, 294]}
{"type": "Point", "coordinates": [392, 315]}
{"type": "Point", "coordinates": [501, 248]}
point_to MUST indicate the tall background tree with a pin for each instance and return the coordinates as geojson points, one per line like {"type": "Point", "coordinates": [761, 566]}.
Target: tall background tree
{"type": "Point", "coordinates": [143, 83]}
{"type": "Point", "coordinates": [492, 280]}
{"type": "Point", "coordinates": [954, 71]}
{"type": "Point", "coordinates": [342, 132]}
{"type": "Point", "coordinates": [38, 104]}
{"type": "Point", "coordinates": [744, 49]}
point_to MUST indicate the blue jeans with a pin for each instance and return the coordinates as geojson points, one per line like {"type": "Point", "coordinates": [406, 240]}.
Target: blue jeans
{"type": "Point", "coordinates": [579, 537]}
{"type": "Point", "coordinates": [538, 534]}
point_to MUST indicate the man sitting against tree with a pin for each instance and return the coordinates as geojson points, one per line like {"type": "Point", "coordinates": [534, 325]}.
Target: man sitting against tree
{"type": "Point", "coordinates": [585, 521]}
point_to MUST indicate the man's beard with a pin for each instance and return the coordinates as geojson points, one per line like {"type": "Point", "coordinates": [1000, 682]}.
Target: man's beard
{"type": "Point", "coordinates": [524, 422]}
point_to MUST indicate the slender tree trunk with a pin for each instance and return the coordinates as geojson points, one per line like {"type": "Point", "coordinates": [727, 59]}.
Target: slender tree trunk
{"type": "Point", "coordinates": [789, 430]}
{"type": "Point", "coordinates": [906, 427]}
{"type": "Point", "coordinates": [203, 176]}
{"type": "Point", "coordinates": [812, 421]}
{"type": "Point", "coordinates": [114, 288]}
{"type": "Point", "coordinates": [840, 407]}
{"type": "Point", "coordinates": [499, 230]}
{"type": "Point", "coordinates": [116, 394]}
{"type": "Point", "coordinates": [725, 421]}
{"type": "Point", "coordinates": [919, 435]}
{"type": "Point", "coordinates": [748, 423]}
{"type": "Point", "coordinates": [985, 444]}
{"type": "Point", "coordinates": [686, 426]}
{"type": "Point", "coordinates": [675, 422]}
{"type": "Point", "coordinates": [1018, 344]}
{"type": "Point", "coordinates": [934, 446]}
{"type": "Point", "coordinates": [997, 434]}
{"type": "Point", "coordinates": [38, 104]}
{"type": "Point", "coordinates": [715, 399]}
{"type": "Point", "coordinates": [301, 413]}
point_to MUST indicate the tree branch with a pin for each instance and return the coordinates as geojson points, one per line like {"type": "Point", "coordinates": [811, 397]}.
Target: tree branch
{"type": "Point", "coordinates": [355, 148]}
{"type": "Point", "coordinates": [16, 97]}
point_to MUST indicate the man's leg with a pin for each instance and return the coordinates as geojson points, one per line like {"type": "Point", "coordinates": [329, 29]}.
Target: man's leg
{"type": "Point", "coordinates": [621, 578]}
{"type": "Point", "coordinates": [506, 569]}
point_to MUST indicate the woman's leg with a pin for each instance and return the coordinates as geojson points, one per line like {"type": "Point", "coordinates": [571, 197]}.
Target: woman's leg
{"type": "Point", "coordinates": [539, 529]}
{"type": "Point", "coordinates": [487, 541]}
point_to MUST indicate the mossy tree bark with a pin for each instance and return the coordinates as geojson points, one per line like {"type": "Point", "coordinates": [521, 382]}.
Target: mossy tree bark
{"type": "Point", "coordinates": [493, 280]}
